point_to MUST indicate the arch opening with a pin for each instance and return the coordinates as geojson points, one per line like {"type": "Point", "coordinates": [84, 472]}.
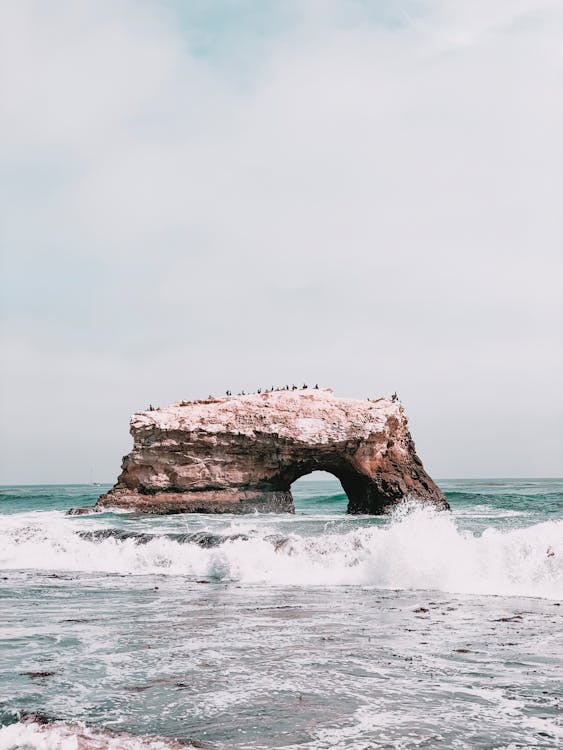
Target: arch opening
{"type": "Point", "coordinates": [361, 491]}
{"type": "Point", "coordinates": [319, 492]}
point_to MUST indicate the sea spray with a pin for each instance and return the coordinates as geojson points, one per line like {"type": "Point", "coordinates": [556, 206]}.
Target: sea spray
{"type": "Point", "coordinates": [418, 548]}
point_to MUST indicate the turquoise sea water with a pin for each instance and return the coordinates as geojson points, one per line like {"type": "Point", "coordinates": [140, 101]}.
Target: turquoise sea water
{"type": "Point", "coordinates": [420, 630]}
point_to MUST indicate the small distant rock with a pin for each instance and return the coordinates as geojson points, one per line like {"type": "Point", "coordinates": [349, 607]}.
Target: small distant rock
{"type": "Point", "coordinates": [514, 618]}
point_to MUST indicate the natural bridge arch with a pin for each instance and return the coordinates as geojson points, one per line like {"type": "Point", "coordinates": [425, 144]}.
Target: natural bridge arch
{"type": "Point", "coordinates": [363, 493]}
{"type": "Point", "coordinates": [242, 453]}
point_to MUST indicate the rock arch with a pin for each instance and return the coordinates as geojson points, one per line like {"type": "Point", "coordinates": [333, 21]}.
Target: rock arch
{"type": "Point", "coordinates": [242, 453]}
{"type": "Point", "coordinates": [364, 494]}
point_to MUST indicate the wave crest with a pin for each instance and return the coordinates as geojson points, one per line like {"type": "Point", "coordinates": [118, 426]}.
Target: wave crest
{"type": "Point", "coordinates": [418, 549]}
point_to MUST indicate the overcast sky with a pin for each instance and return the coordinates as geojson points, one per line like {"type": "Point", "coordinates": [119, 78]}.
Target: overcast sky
{"type": "Point", "coordinates": [205, 195]}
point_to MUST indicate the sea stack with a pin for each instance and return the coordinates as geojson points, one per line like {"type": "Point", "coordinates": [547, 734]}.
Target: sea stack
{"type": "Point", "coordinates": [240, 454]}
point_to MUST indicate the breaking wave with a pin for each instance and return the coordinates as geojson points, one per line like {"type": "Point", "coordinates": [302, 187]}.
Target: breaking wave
{"type": "Point", "coordinates": [418, 549]}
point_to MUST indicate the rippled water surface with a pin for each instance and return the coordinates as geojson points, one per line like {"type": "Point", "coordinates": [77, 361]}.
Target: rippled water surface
{"type": "Point", "coordinates": [437, 630]}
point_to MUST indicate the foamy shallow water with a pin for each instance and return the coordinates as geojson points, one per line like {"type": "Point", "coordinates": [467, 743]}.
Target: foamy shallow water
{"type": "Point", "coordinates": [316, 631]}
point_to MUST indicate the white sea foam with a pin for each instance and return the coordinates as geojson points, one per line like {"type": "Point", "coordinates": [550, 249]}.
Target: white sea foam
{"type": "Point", "coordinates": [419, 549]}
{"type": "Point", "coordinates": [34, 735]}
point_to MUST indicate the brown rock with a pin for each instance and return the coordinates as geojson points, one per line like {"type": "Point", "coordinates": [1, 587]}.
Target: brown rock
{"type": "Point", "coordinates": [242, 453]}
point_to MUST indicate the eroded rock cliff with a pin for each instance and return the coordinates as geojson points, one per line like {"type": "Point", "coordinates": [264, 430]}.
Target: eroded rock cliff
{"type": "Point", "coordinates": [242, 453]}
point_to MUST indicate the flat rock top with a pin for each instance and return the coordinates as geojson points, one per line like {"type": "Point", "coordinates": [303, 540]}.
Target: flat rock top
{"type": "Point", "coordinates": [307, 415]}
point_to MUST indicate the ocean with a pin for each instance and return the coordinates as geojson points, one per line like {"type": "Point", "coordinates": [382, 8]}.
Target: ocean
{"type": "Point", "coordinates": [319, 630]}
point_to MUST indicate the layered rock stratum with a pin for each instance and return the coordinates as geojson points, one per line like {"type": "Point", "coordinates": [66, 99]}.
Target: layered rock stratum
{"type": "Point", "coordinates": [241, 453]}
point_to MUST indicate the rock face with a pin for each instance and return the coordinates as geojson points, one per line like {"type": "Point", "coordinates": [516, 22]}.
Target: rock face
{"type": "Point", "coordinates": [242, 453]}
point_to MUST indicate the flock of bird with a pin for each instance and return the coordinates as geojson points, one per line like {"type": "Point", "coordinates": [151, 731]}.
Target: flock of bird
{"type": "Point", "coordinates": [271, 390]}
{"type": "Point", "coordinates": [293, 387]}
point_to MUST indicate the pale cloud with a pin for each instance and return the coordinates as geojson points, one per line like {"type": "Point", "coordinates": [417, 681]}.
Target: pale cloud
{"type": "Point", "coordinates": [371, 202]}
